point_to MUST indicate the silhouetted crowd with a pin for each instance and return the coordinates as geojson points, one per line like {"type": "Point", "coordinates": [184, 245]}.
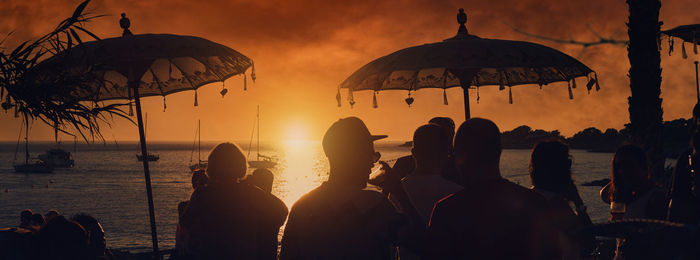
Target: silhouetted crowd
{"type": "Point", "coordinates": [53, 236]}
{"type": "Point", "coordinates": [447, 200]}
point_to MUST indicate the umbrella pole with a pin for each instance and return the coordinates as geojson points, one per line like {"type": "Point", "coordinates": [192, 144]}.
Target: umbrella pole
{"type": "Point", "coordinates": [697, 85]}
{"type": "Point", "coordinates": [465, 77]}
{"type": "Point", "coordinates": [146, 171]}
{"type": "Point", "coordinates": [467, 113]}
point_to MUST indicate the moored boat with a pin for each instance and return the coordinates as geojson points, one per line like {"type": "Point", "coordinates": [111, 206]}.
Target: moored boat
{"type": "Point", "coordinates": [57, 158]}
{"type": "Point", "coordinates": [37, 167]}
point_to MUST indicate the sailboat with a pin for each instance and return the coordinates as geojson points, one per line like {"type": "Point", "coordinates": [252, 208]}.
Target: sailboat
{"type": "Point", "coordinates": [57, 157]}
{"type": "Point", "coordinates": [149, 157]}
{"type": "Point", "coordinates": [26, 167]}
{"type": "Point", "coordinates": [262, 160]}
{"type": "Point", "coordinates": [200, 165]}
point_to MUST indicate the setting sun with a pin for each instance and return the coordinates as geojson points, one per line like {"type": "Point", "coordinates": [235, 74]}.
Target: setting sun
{"type": "Point", "coordinates": [296, 131]}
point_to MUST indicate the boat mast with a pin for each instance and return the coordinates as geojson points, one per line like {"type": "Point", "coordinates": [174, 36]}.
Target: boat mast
{"type": "Point", "coordinates": [199, 143]}
{"type": "Point", "coordinates": [26, 140]}
{"type": "Point", "coordinates": [258, 118]}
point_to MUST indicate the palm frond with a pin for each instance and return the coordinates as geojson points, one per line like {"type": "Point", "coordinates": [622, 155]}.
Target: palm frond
{"type": "Point", "coordinates": [52, 100]}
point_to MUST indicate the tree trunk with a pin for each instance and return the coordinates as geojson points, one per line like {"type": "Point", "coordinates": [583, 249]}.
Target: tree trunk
{"type": "Point", "coordinates": [645, 82]}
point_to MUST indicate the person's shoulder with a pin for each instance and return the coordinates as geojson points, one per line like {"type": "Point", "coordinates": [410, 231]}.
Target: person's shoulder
{"type": "Point", "coordinates": [312, 197]}
{"type": "Point", "coordinates": [454, 200]}
{"type": "Point", "coordinates": [372, 196]}
{"type": "Point", "coordinates": [523, 193]}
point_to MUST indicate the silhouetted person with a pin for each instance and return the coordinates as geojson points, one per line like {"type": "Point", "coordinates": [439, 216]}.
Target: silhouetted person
{"type": "Point", "coordinates": [227, 219]}
{"type": "Point", "coordinates": [684, 203]}
{"type": "Point", "coordinates": [261, 178]}
{"type": "Point", "coordinates": [36, 221]}
{"type": "Point", "coordinates": [25, 218]}
{"type": "Point", "coordinates": [633, 195]}
{"type": "Point", "coordinates": [97, 245]}
{"type": "Point", "coordinates": [340, 219]}
{"type": "Point", "coordinates": [199, 179]}
{"type": "Point", "coordinates": [491, 218]}
{"type": "Point", "coordinates": [425, 185]}
{"type": "Point", "coordinates": [62, 239]}
{"type": "Point", "coordinates": [550, 174]}
{"type": "Point", "coordinates": [50, 215]}
{"type": "Point", "coordinates": [405, 165]}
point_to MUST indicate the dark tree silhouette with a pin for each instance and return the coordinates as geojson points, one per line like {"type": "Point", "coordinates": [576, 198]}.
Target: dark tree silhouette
{"type": "Point", "coordinates": [645, 81]}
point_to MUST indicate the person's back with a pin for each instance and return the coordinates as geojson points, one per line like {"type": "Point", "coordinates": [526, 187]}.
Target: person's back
{"type": "Point", "coordinates": [425, 185]}
{"type": "Point", "coordinates": [495, 219]}
{"type": "Point", "coordinates": [335, 222]}
{"type": "Point", "coordinates": [226, 219]}
{"type": "Point", "coordinates": [426, 190]}
{"type": "Point", "coordinates": [491, 218]}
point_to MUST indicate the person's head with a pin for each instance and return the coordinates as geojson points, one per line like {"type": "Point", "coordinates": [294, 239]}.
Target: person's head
{"type": "Point", "coordinates": [261, 178]}
{"type": "Point", "coordinates": [199, 179]}
{"type": "Point", "coordinates": [37, 220]}
{"type": "Point", "coordinates": [630, 172]}
{"type": "Point", "coordinates": [50, 215]}
{"type": "Point", "coordinates": [431, 145]}
{"type": "Point", "coordinates": [550, 166]}
{"type": "Point", "coordinates": [447, 124]}
{"type": "Point", "coordinates": [226, 164]}
{"type": "Point", "coordinates": [350, 151]}
{"type": "Point", "coordinates": [477, 149]}
{"type": "Point", "coordinates": [96, 235]}
{"type": "Point", "coordinates": [25, 216]}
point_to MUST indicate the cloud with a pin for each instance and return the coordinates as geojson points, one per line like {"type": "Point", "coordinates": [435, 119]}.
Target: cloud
{"type": "Point", "coordinates": [304, 49]}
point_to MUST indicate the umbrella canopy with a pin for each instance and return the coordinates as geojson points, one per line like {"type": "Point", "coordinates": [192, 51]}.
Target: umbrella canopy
{"type": "Point", "coordinates": [135, 66]}
{"type": "Point", "coordinates": [467, 61]}
{"type": "Point", "coordinates": [161, 64]}
{"type": "Point", "coordinates": [687, 33]}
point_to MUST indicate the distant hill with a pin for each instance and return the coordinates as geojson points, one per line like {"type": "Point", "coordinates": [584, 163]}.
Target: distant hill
{"type": "Point", "coordinates": [676, 138]}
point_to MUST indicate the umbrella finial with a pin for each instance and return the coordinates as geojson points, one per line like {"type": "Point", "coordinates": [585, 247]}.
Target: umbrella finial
{"type": "Point", "coordinates": [124, 23]}
{"type": "Point", "coordinates": [462, 19]}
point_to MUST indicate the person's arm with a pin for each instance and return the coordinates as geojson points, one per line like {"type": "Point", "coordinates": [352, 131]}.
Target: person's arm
{"type": "Point", "coordinates": [192, 209]}
{"type": "Point", "coordinates": [680, 185]}
{"type": "Point", "coordinates": [414, 234]}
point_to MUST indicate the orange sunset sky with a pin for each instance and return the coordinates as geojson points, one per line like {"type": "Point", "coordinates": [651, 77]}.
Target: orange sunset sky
{"type": "Point", "coordinates": [304, 49]}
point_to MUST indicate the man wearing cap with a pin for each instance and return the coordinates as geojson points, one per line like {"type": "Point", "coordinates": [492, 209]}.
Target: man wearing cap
{"type": "Point", "coordinates": [341, 219]}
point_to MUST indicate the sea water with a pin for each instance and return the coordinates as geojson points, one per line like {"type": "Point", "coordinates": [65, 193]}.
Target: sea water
{"type": "Point", "coordinates": [108, 183]}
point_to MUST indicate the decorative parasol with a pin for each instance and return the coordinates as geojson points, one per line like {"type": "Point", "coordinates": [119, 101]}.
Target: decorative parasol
{"type": "Point", "coordinates": [135, 66]}
{"type": "Point", "coordinates": [687, 33]}
{"type": "Point", "coordinates": [467, 61]}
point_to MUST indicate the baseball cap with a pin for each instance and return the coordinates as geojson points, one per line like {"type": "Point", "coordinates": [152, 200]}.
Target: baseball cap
{"type": "Point", "coordinates": [347, 132]}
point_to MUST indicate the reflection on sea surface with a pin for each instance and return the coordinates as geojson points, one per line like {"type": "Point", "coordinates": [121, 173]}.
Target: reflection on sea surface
{"type": "Point", "coordinates": [302, 169]}
{"type": "Point", "coordinates": [107, 182]}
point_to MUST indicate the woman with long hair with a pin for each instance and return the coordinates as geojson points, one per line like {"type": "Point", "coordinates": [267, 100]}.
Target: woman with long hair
{"type": "Point", "coordinates": [633, 195]}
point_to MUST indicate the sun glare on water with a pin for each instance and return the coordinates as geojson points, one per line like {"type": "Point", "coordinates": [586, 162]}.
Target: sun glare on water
{"type": "Point", "coordinates": [304, 168]}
